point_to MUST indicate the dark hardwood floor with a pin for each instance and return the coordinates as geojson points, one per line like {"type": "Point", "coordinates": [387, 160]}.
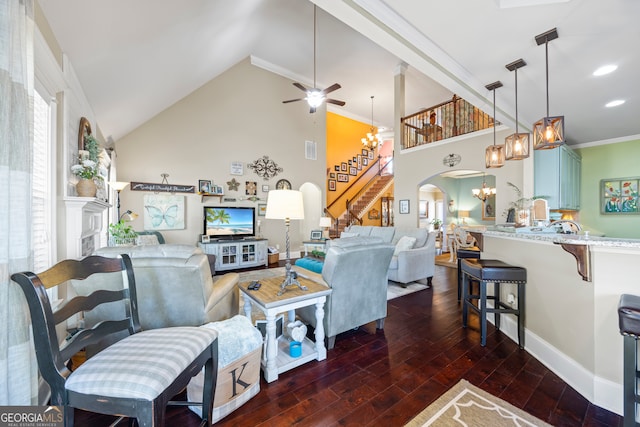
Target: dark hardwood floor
{"type": "Point", "coordinates": [385, 378]}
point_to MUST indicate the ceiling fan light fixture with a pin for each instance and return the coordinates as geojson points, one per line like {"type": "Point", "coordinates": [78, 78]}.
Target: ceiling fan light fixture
{"type": "Point", "coordinates": [516, 146]}
{"type": "Point", "coordinates": [548, 132]}
{"type": "Point", "coordinates": [494, 154]}
{"type": "Point", "coordinates": [315, 98]}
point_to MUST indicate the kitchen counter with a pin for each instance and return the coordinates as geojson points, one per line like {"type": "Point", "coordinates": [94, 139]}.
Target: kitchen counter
{"type": "Point", "coordinates": [571, 317]}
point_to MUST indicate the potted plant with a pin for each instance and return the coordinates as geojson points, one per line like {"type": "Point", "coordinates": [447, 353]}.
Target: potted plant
{"type": "Point", "coordinates": [87, 168]}
{"type": "Point", "coordinates": [518, 211]}
{"type": "Point", "coordinates": [121, 234]}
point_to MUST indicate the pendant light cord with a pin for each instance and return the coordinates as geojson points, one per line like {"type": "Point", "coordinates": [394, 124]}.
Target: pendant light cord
{"type": "Point", "coordinates": [546, 55]}
{"type": "Point", "coordinates": [516, 70]}
{"type": "Point", "coordinates": [494, 119]}
{"type": "Point", "coordinates": [314, 54]}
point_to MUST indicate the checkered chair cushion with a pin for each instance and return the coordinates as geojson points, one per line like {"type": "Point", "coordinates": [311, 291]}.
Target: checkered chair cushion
{"type": "Point", "coordinates": [142, 365]}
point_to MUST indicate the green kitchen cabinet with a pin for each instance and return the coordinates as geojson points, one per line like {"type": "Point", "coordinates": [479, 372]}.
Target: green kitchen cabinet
{"type": "Point", "coordinates": [557, 176]}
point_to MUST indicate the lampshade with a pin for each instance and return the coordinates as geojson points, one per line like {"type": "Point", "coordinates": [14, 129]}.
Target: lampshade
{"type": "Point", "coordinates": [325, 221]}
{"type": "Point", "coordinates": [516, 146]}
{"type": "Point", "coordinates": [463, 214]}
{"type": "Point", "coordinates": [548, 132]}
{"type": "Point", "coordinates": [284, 204]}
{"type": "Point", "coordinates": [118, 185]}
{"type": "Point", "coordinates": [494, 154]}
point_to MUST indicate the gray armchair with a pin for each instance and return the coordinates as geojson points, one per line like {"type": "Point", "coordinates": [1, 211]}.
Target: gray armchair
{"type": "Point", "coordinates": [356, 270]}
{"type": "Point", "coordinates": [175, 287]}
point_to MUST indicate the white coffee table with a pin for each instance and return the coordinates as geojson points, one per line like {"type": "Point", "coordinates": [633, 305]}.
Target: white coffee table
{"type": "Point", "coordinates": [276, 358]}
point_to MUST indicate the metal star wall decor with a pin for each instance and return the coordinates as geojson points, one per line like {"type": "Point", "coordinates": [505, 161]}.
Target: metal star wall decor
{"type": "Point", "coordinates": [233, 185]}
{"type": "Point", "coordinates": [265, 168]}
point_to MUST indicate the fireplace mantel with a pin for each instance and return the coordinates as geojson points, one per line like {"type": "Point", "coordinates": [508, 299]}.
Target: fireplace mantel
{"type": "Point", "coordinates": [85, 218]}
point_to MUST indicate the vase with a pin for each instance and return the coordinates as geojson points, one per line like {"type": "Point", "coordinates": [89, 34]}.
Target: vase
{"type": "Point", "coordinates": [86, 188]}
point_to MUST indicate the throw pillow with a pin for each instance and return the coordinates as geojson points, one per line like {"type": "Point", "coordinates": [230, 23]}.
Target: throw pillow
{"type": "Point", "coordinates": [405, 243]}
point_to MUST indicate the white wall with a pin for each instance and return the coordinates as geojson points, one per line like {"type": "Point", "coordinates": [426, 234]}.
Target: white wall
{"type": "Point", "coordinates": [412, 167]}
{"type": "Point", "coordinates": [239, 116]}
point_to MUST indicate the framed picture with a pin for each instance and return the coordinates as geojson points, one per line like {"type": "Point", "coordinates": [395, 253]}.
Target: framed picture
{"type": "Point", "coordinates": [619, 195]}
{"type": "Point", "coordinates": [370, 155]}
{"type": "Point", "coordinates": [404, 206]}
{"type": "Point", "coordinates": [204, 185]}
{"type": "Point", "coordinates": [374, 214]}
{"type": "Point", "coordinates": [216, 189]}
{"type": "Point", "coordinates": [250, 188]}
{"type": "Point", "coordinates": [359, 161]}
{"type": "Point", "coordinates": [423, 208]}
{"type": "Point", "coordinates": [336, 168]}
{"type": "Point", "coordinates": [316, 234]}
{"type": "Point", "coordinates": [262, 209]}
{"type": "Point", "coordinates": [265, 188]}
{"type": "Point", "coordinates": [205, 238]}
{"type": "Point", "coordinates": [365, 152]}
{"type": "Point", "coordinates": [343, 177]}
{"type": "Point", "coordinates": [489, 208]}
{"type": "Point", "coordinates": [332, 185]}
{"type": "Point", "coordinates": [350, 162]}
{"type": "Point", "coordinates": [237, 168]}
{"type": "Point", "coordinates": [365, 161]}
{"type": "Point", "coordinates": [355, 159]}
{"type": "Point", "coordinates": [353, 171]}
{"type": "Point", "coordinates": [343, 167]}
{"type": "Point", "coordinates": [332, 175]}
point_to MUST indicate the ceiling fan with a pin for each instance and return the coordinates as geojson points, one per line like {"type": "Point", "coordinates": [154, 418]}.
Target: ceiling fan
{"type": "Point", "coordinates": [316, 96]}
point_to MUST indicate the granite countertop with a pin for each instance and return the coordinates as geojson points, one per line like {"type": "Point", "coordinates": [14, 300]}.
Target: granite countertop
{"type": "Point", "coordinates": [574, 239]}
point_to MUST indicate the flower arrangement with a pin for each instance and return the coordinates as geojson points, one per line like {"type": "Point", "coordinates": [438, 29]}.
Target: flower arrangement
{"type": "Point", "coordinates": [88, 166]}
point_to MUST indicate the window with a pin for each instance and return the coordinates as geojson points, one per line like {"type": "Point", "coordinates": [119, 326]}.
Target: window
{"type": "Point", "coordinates": [43, 179]}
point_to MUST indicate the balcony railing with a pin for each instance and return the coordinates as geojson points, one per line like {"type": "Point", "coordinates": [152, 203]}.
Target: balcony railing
{"type": "Point", "coordinates": [446, 120]}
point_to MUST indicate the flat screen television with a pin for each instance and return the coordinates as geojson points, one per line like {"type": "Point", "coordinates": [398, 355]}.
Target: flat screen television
{"type": "Point", "coordinates": [229, 222]}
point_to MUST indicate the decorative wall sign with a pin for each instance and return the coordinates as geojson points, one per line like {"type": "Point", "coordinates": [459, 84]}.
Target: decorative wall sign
{"type": "Point", "coordinates": [163, 212]}
{"type": "Point", "coordinates": [162, 188]}
{"type": "Point", "coordinates": [265, 168]}
{"type": "Point", "coordinates": [451, 160]}
{"type": "Point", "coordinates": [237, 168]}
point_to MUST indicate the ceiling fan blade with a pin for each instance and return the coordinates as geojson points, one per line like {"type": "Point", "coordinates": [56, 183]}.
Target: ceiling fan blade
{"type": "Point", "coordinates": [331, 88]}
{"type": "Point", "coordinates": [335, 101]}
{"type": "Point", "coordinates": [292, 100]}
{"type": "Point", "coordinates": [300, 86]}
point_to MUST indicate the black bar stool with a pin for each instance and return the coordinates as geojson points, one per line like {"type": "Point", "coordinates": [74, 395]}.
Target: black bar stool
{"type": "Point", "coordinates": [629, 322]}
{"type": "Point", "coordinates": [497, 272]}
{"type": "Point", "coordinates": [466, 253]}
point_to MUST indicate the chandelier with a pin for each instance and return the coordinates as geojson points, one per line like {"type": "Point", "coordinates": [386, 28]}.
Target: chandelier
{"type": "Point", "coordinates": [372, 139]}
{"type": "Point", "coordinates": [484, 192]}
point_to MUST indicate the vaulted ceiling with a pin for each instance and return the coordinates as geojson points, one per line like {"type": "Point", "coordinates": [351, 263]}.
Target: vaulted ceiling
{"type": "Point", "coordinates": [136, 58]}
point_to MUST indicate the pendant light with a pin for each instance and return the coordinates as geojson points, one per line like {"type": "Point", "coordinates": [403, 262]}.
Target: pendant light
{"type": "Point", "coordinates": [516, 146]}
{"type": "Point", "coordinates": [548, 132]}
{"type": "Point", "coordinates": [494, 154]}
{"type": "Point", "coordinates": [372, 139]}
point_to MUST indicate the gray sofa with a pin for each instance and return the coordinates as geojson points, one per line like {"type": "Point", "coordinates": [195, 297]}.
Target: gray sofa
{"type": "Point", "coordinates": [356, 271]}
{"type": "Point", "coordinates": [414, 262]}
{"type": "Point", "coordinates": [175, 287]}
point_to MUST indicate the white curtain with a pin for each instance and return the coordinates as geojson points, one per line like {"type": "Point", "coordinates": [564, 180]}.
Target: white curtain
{"type": "Point", "coordinates": [18, 369]}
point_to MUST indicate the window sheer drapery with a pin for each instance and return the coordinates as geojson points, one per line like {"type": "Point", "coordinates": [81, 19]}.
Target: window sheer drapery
{"type": "Point", "coordinates": [18, 368]}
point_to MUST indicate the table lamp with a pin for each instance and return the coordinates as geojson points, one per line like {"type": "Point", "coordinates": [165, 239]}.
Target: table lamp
{"type": "Point", "coordinates": [464, 215]}
{"type": "Point", "coordinates": [325, 224]}
{"type": "Point", "coordinates": [118, 186]}
{"type": "Point", "coordinates": [287, 205]}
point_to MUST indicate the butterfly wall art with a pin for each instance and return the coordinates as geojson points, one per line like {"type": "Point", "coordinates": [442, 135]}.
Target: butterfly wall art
{"type": "Point", "coordinates": [163, 212]}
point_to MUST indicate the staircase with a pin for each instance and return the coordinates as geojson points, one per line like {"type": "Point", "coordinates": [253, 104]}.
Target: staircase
{"type": "Point", "coordinates": [362, 204]}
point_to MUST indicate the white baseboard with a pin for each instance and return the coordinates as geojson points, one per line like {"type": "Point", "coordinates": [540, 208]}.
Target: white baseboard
{"type": "Point", "coordinates": [599, 391]}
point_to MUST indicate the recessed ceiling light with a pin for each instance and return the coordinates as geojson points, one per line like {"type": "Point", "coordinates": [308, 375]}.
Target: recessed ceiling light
{"type": "Point", "coordinates": [614, 103]}
{"type": "Point", "coordinates": [605, 69]}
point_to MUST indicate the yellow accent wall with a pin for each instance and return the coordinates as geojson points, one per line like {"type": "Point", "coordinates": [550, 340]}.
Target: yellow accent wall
{"type": "Point", "coordinates": [343, 144]}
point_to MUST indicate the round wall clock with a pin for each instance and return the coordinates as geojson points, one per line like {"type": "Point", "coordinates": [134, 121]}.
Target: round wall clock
{"type": "Point", "coordinates": [283, 184]}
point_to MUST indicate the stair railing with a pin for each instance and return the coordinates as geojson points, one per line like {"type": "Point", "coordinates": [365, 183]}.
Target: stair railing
{"type": "Point", "coordinates": [353, 216]}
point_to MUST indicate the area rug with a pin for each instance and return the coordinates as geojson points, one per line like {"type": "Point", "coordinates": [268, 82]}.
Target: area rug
{"type": "Point", "coordinates": [467, 405]}
{"type": "Point", "coordinates": [394, 290]}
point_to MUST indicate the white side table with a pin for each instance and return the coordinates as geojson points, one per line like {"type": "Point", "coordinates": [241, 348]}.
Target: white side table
{"type": "Point", "coordinates": [276, 358]}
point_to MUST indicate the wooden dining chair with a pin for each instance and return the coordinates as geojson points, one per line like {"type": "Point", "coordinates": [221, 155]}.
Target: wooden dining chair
{"type": "Point", "coordinates": [136, 376]}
